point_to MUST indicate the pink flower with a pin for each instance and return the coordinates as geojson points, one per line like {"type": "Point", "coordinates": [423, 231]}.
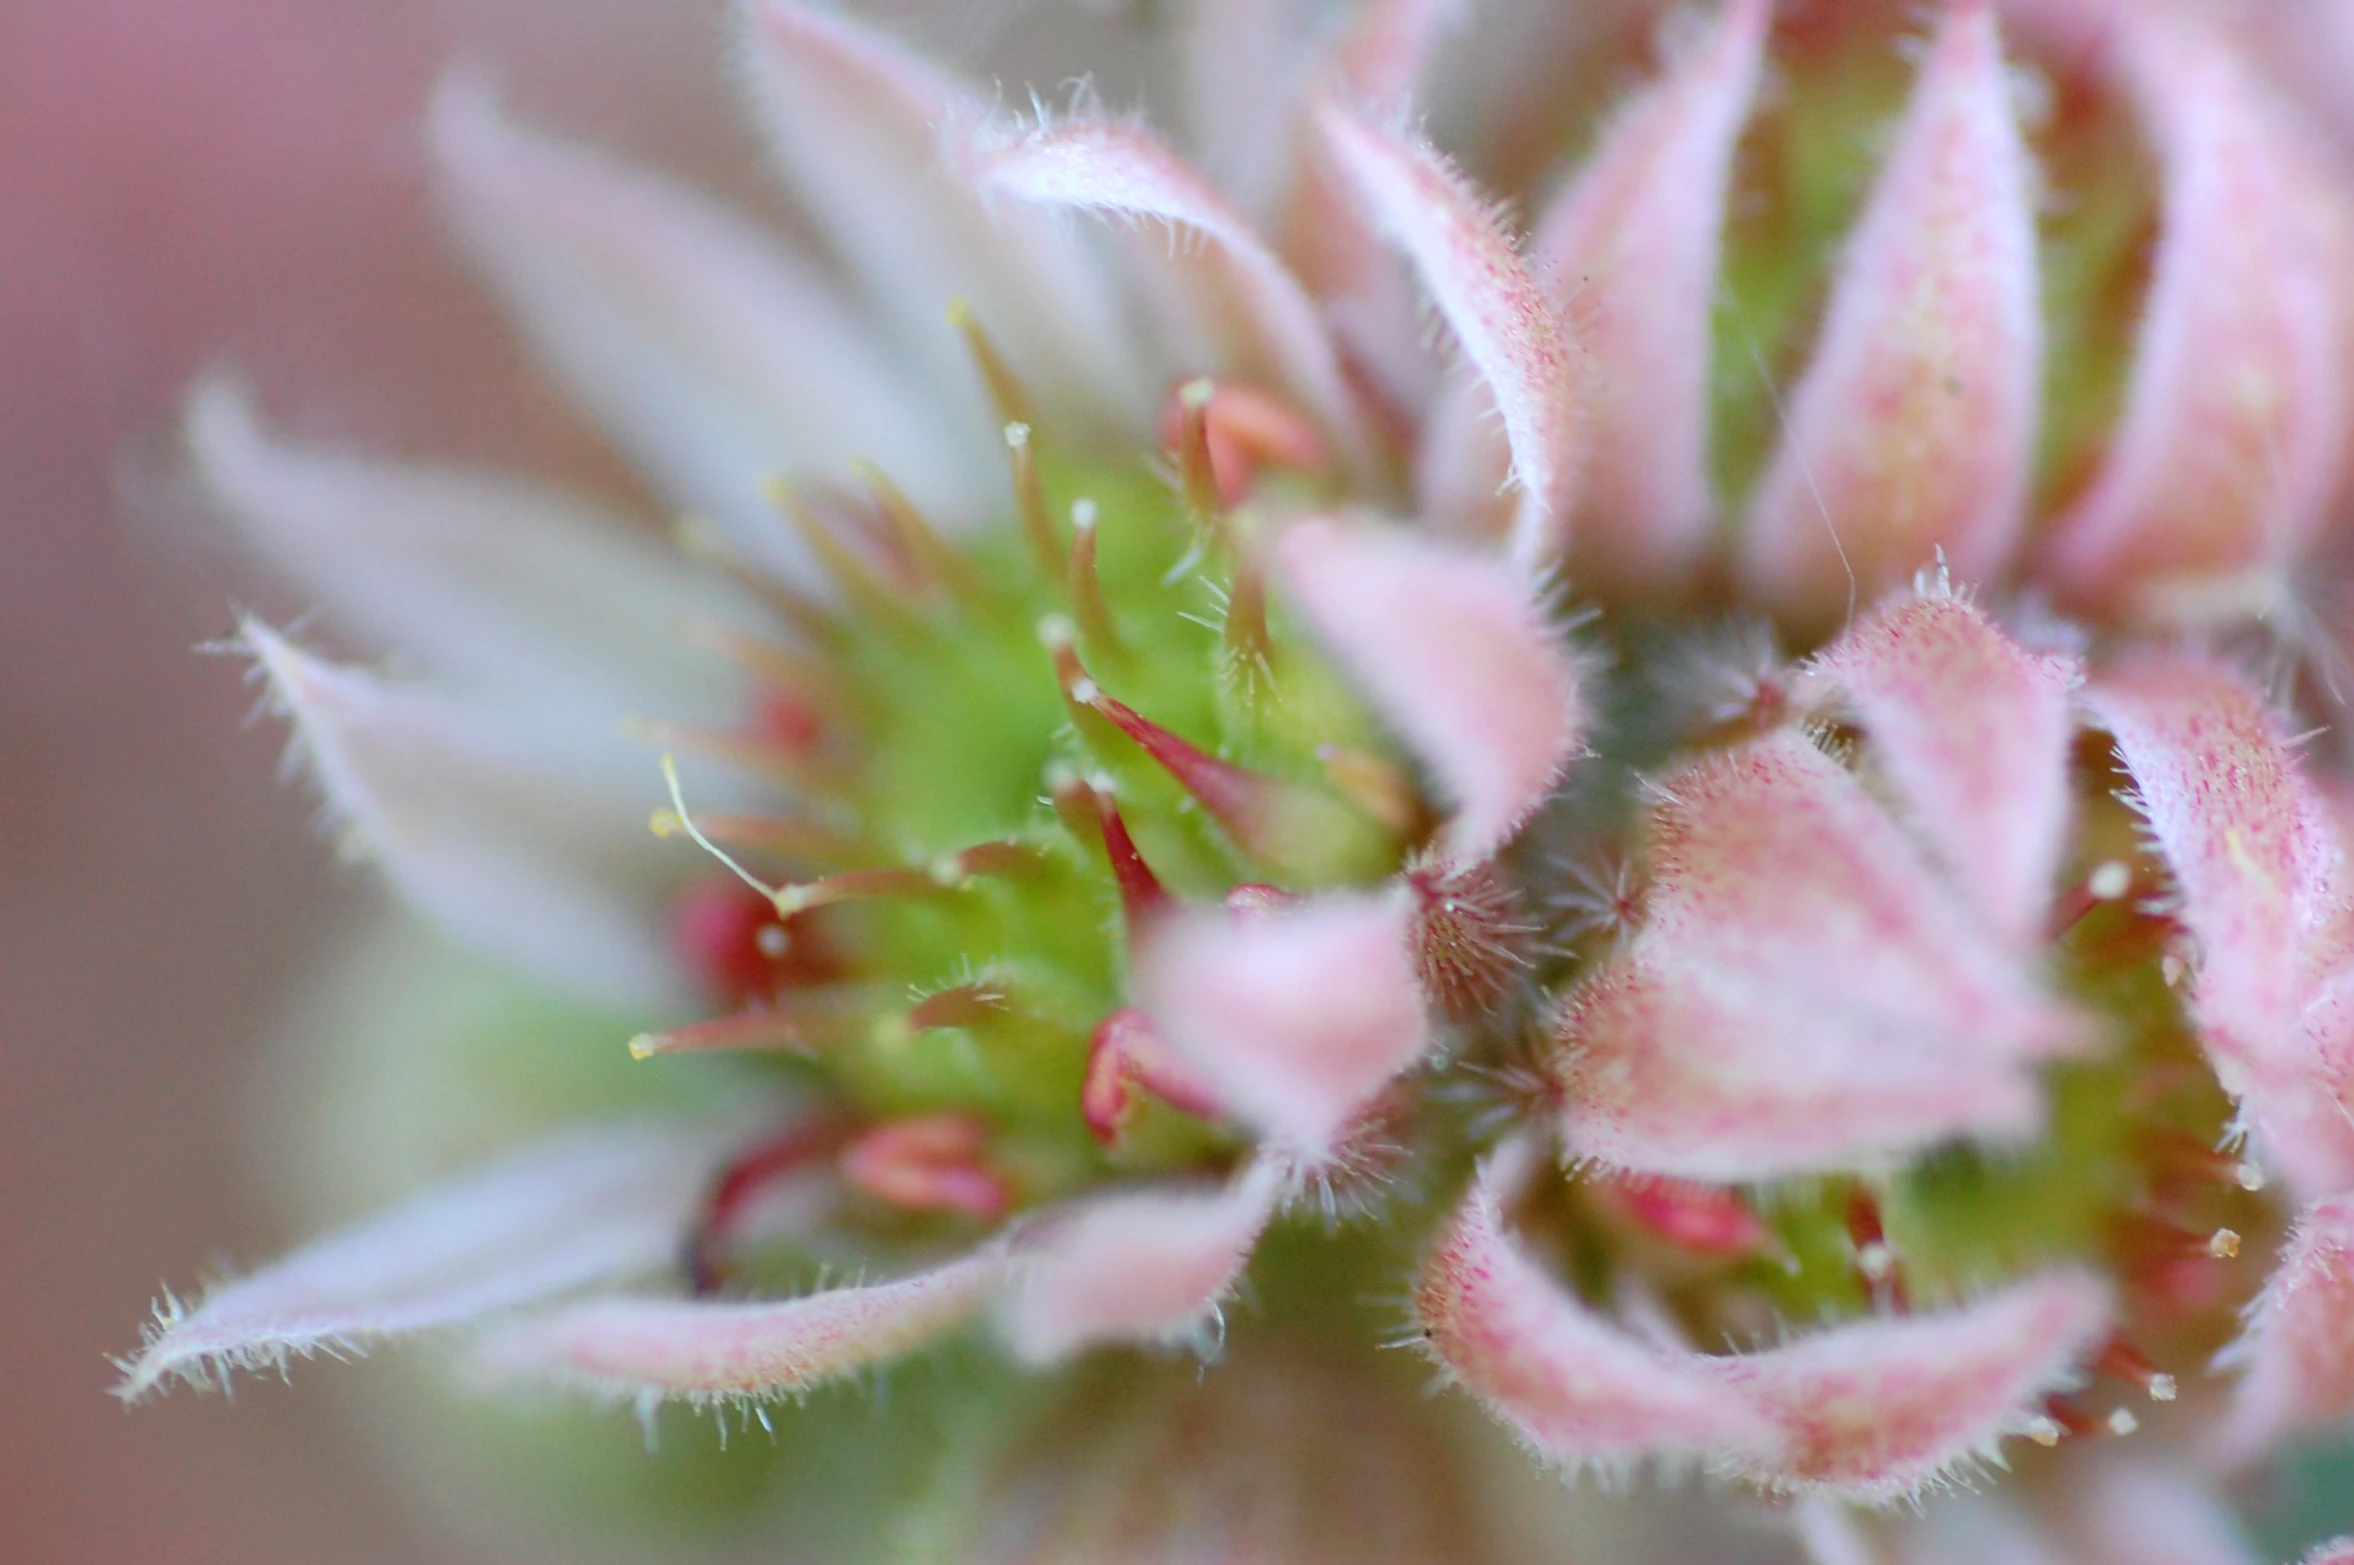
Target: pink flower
{"type": "Point", "coordinates": [1144, 699]}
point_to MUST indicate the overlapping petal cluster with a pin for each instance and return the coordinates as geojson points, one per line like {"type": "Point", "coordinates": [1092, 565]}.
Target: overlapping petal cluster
{"type": "Point", "coordinates": [1880, 1021]}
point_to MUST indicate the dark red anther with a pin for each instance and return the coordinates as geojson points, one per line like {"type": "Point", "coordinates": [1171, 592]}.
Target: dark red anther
{"type": "Point", "coordinates": [1126, 1053]}
{"type": "Point", "coordinates": [793, 1151]}
{"type": "Point", "coordinates": [932, 1163]}
{"type": "Point", "coordinates": [1705, 1219]}
{"type": "Point", "coordinates": [1876, 1260]}
{"type": "Point", "coordinates": [734, 941]}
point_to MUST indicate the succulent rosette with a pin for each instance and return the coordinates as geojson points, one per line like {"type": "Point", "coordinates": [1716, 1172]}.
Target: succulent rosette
{"type": "Point", "coordinates": [1706, 817]}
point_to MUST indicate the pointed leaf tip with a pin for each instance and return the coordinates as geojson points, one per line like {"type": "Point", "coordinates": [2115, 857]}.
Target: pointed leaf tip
{"type": "Point", "coordinates": [1295, 1016]}
{"type": "Point", "coordinates": [1972, 730]}
{"type": "Point", "coordinates": [1633, 245]}
{"type": "Point", "coordinates": [1913, 429]}
{"type": "Point", "coordinates": [588, 1206]}
{"type": "Point", "coordinates": [1507, 327]}
{"type": "Point", "coordinates": [1453, 649]}
{"type": "Point", "coordinates": [705, 1351]}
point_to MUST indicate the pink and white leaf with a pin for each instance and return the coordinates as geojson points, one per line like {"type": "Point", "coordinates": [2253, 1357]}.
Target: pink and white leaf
{"type": "Point", "coordinates": [1506, 326]}
{"type": "Point", "coordinates": [1972, 732]}
{"type": "Point", "coordinates": [592, 1205]}
{"type": "Point", "coordinates": [1877, 1411]}
{"type": "Point", "coordinates": [499, 585]}
{"type": "Point", "coordinates": [1913, 429]}
{"type": "Point", "coordinates": [1685, 1071]}
{"type": "Point", "coordinates": [1141, 1266]}
{"type": "Point", "coordinates": [2232, 447]}
{"type": "Point", "coordinates": [714, 357]}
{"type": "Point", "coordinates": [1121, 170]}
{"type": "Point", "coordinates": [856, 122]}
{"type": "Point", "coordinates": [706, 1350]}
{"type": "Point", "coordinates": [2249, 841]}
{"type": "Point", "coordinates": [1296, 1016]}
{"type": "Point", "coordinates": [525, 839]}
{"type": "Point", "coordinates": [1571, 1384]}
{"type": "Point", "coordinates": [2296, 1355]}
{"type": "Point", "coordinates": [1454, 651]}
{"type": "Point", "coordinates": [1631, 248]}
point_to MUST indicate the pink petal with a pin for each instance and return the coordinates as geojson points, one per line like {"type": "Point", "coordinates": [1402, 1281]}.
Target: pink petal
{"type": "Point", "coordinates": [2338, 1552]}
{"type": "Point", "coordinates": [2128, 1512]}
{"type": "Point", "coordinates": [1297, 1016]}
{"type": "Point", "coordinates": [1682, 1071]}
{"type": "Point", "coordinates": [514, 835]}
{"type": "Point", "coordinates": [715, 358]}
{"type": "Point", "coordinates": [648, 1348]}
{"type": "Point", "coordinates": [2298, 1350]}
{"type": "Point", "coordinates": [1455, 652]}
{"type": "Point", "coordinates": [1119, 170]}
{"type": "Point", "coordinates": [1771, 864]}
{"type": "Point", "coordinates": [1146, 1266]}
{"type": "Point", "coordinates": [589, 1206]}
{"type": "Point", "coordinates": [1880, 1410]}
{"type": "Point", "coordinates": [1241, 63]}
{"type": "Point", "coordinates": [855, 120]}
{"type": "Point", "coordinates": [498, 584]}
{"type": "Point", "coordinates": [1914, 428]}
{"type": "Point", "coordinates": [1972, 731]}
{"type": "Point", "coordinates": [2232, 447]}
{"type": "Point", "coordinates": [1570, 1384]}
{"type": "Point", "coordinates": [2254, 857]}
{"type": "Point", "coordinates": [1631, 245]}
{"type": "Point", "coordinates": [1502, 319]}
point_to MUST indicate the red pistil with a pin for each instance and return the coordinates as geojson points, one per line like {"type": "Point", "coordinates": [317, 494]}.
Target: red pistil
{"type": "Point", "coordinates": [932, 1163]}
{"type": "Point", "coordinates": [791, 1152]}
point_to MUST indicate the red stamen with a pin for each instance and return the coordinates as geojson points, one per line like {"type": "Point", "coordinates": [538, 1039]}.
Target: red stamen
{"type": "Point", "coordinates": [2121, 1360]}
{"type": "Point", "coordinates": [1876, 1260]}
{"type": "Point", "coordinates": [926, 552]}
{"type": "Point", "coordinates": [1241, 429]}
{"type": "Point", "coordinates": [811, 1021]}
{"type": "Point", "coordinates": [933, 1163]}
{"type": "Point", "coordinates": [1088, 605]}
{"type": "Point", "coordinates": [1007, 395]}
{"type": "Point", "coordinates": [1030, 500]}
{"type": "Point", "coordinates": [745, 1176]}
{"type": "Point", "coordinates": [1141, 893]}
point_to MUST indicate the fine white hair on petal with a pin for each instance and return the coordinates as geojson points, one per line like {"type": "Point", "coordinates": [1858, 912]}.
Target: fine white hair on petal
{"type": "Point", "coordinates": [1632, 245]}
{"type": "Point", "coordinates": [492, 583]}
{"type": "Point", "coordinates": [1506, 325]}
{"type": "Point", "coordinates": [856, 122]}
{"type": "Point", "coordinates": [2296, 1356]}
{"type": "Point", "coordinates": [1296, 1016]}
{"type": "Point", "coordinates": [519, 838]}
{"type": "Point", "coordinates": [1150, 1265]}
{"type": "Point", "coordinates": [2232, 445]}
{"type": "Point", "coordinates": [716, 359]}
{"type": "Point", "coordinates": [1452, 648]}
{"type": "Point", "coordinates": [1972, 732]}
{"type": "Point", "coordinates": [1911, 435]}
{"type": "Point", "coordinates": [591, 1205]}
{"type": "Point", "coordinates": [1103, 166]}
{"type": "Point", "coordinates": [712, 1351]}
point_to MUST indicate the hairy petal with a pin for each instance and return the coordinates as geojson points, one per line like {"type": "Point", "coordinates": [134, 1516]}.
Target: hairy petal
{"type": "Point", "coordinates": [1119, 170]}
{"type": "Point", "coordinates": [1678, 1070]}
{"type": "Point", "coordinates": [516, 838]}
{"type": "Point", "coordinates": [500, 585]}
{"type": "Point", "coordinates": [1877, 1411]}
{"type": "Point", "coordinates": [1502, 319]}
{"type": "Point", "coordinates": [1148, 1265]}
{"type": "Point", "coordinates": [856, 122]}
{"type": "Point", "coordinates": [1298, 1015]}
{"type": "Point", "coordinates": [712, 1351]}
{"type": "Point", "coordinates": [2232, 445]}
{"type": "Point", "coordinates": [714, 357]}
{"type": "Point", "coordinates": [1972, 732]}
{"type": "Point", "coordinates": [588, 1206]}
{"type": "Point", "coordinates": [2339, 1551]}
{"type": "Point", "coordinates": [2297, 1353]}
{"type": "Point", "coordinates": [1914, 427]}
{"type": "Point", "coordinates": [2257, 866]}
{"type": "Point", "coordinates": [1453, 650]}
{"type": "Point", "coordinates": [1632, 247]}
{"type": "Point", "coordinates": [1571, 1384]}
